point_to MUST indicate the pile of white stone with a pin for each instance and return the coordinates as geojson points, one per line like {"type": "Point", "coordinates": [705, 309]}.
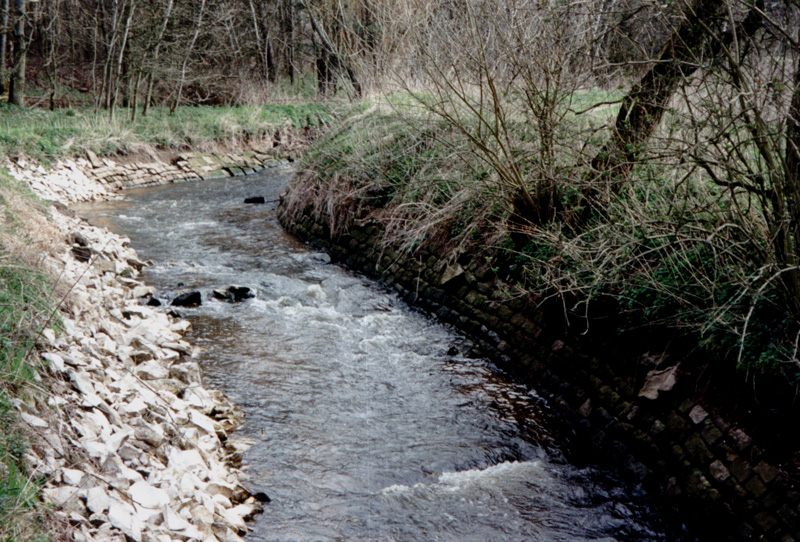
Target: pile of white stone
{"type": "Point", "coordinates": [66, 181]}
{"type": "Point", "coordinates": [130, 444]}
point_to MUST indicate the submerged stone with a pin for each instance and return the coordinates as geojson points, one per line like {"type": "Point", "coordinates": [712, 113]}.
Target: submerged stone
{"type": "Point", "coordinates": [240, 293]}
{"type": "Point", "coordinates": [233, 294]}
{"type": "Point", "coordinates": [188, 299]}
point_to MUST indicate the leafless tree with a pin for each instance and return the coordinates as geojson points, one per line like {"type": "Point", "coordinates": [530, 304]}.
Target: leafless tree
{"type": "Point", "coordinates": [16, 89]}
{"type": "Point", "coordinates": [188, 54]}
{"type": "Point", "coordinates": [157, 45]}
{"type": "Point", "coordinates": [3, 44]}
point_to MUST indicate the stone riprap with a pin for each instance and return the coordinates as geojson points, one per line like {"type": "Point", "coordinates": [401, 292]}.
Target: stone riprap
{"type": "Point", "coordinates": [127, 443]}
{"type": "Point", "coordinates": [93, 178]}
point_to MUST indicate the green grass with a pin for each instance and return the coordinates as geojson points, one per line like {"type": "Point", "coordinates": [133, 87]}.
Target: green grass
{"type": "Point", "coordinates": [24, 310]}
{"type": "Point", "coordinates": [48, 135]}
{"type": "Point", "coordinates": [19, 499]}
{"type": "Point", "coordinates": [26, 306]}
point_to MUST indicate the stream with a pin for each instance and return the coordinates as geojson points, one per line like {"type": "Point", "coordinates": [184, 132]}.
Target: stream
{"type": "Point", "coordinates": [368, 420]}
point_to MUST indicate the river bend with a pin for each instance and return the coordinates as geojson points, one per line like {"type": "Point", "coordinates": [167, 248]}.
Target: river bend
{"type": "Point", "coordinates": [368, 421]}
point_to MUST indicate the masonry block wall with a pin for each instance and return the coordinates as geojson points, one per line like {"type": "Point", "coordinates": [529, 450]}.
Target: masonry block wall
{"type": "Point", "coordinates": [644, 419]}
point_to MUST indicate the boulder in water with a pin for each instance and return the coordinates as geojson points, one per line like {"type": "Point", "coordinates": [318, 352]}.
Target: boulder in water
{"type": "Point", "coordinates": [188, 299]}
{"type": "Point", "coordinates": [222, 295]}
{"type": "Point", "coordinates": [233, 294]}
{"type": "Point", "coordinates": [261, 497]}
{"type": "Point", "coordinates": [256, 200]}
{"type": "Point", "coordinates": [240, 293]}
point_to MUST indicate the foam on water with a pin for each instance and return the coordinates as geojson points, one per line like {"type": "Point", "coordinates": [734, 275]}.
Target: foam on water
{"type": "Point", "coordinates": [476, 479]}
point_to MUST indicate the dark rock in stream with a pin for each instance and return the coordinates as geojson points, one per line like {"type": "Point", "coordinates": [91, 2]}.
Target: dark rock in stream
{"type": "Point", "coordinates": [256, 200]}
{"type": "Point", "coordinates": [261, 497]}
{"type": "Point", "coordinates": [221, 295]}
{"type": "Point", "coordinates": [233, 294]}
{"type": "Point", "coordinates": [153, 302]}
{"type": "Point", "coordinates": [241, 293]}
{"type": "Point", "coordinates": [188, 299]}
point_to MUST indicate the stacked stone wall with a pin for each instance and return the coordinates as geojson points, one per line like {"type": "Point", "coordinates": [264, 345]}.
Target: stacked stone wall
{"type": "Point", "coordinates": [92, 178]}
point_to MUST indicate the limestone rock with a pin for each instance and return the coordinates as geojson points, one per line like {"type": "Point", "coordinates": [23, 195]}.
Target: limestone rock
{"type": "Point", "coordinates": [148, 496]}
{"type": "Point", "coordinates": [657, 381]}
{"type": "Point", "coordinates": [123, 516]}
{"type": "Point", "coordinates": [97, 500]}
{"type": "Point", "coordinates": [153, 459]}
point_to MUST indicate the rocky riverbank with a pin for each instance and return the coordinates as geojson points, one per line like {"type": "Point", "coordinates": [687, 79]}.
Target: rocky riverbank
{"type": "Point", "coordinates": [92, 178]}
{"type": "Point", "coordinates": [124, 439]}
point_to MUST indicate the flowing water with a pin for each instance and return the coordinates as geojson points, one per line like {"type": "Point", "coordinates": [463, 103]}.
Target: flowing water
{"type": "Point", "coordinates": [365, 423]}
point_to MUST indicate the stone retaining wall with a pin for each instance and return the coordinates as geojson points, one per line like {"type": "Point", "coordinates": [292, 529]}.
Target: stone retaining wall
{"type": "Point", "coordinates": [93, 178]}
{"type": "Point", "coordinates": [639, 413]}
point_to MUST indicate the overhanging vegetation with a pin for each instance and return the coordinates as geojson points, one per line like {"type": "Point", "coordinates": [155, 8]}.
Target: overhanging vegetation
{"type": "Point", "coordinates": [671, 204]}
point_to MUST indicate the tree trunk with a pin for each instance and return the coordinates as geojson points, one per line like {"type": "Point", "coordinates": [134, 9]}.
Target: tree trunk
{"type": "Point", "coordinates": [287, 37]}
{"type": "Point", "coordinates": [50, 35]}
{"type": "Point", "coordinates": [787, 240]}
{"type": "Point", "coordinates": [199, 24]}
{"type": "Point", "coordinates": [164, 22]}
{"type": "Point", "coordinates": [16, 90]}
{"type": "Point", "coordinates": [644, 105]}
{"type": "Point", "coordinates": [135, 95]}
{"type": "Point", "coordinates": [261, 46]}
{"type": "Point", "coordinates": [3, 44]}
{"type": "Point", "coordinates": [324, 71]}
{"type": "Point", "coordinates": [121, 63]}
{"type": "Point", "coordinates": [272, 72]}
{"type": "Point", "coordinates": [331, 59]}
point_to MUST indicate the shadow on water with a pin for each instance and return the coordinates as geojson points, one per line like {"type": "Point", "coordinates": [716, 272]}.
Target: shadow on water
{"type": "Point", "coordinates": [364, 427]}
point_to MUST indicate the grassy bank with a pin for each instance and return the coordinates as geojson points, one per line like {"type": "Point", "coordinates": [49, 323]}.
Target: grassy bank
{"type": "Point", "coordinates": [46, 135]}
{"type": "Point", "coordinates": [26, 306]}
{"type": "Point", "coordinates": [669, 256]}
